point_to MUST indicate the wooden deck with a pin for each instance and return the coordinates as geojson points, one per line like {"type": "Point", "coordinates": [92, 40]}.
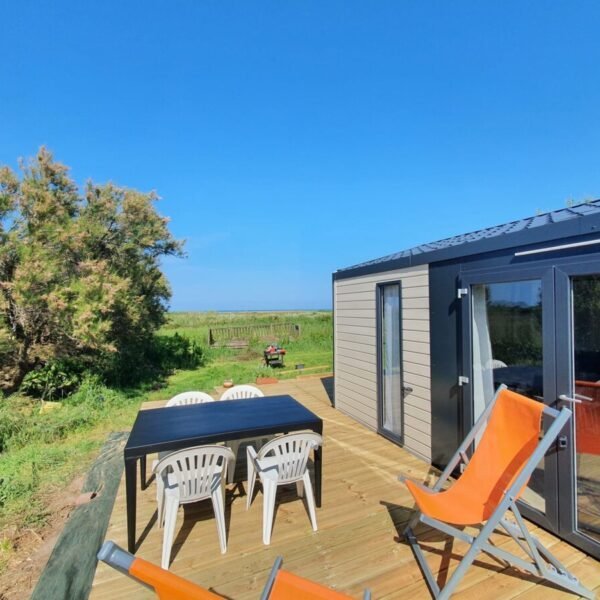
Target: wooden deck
{"type": "Point", "coordinates": [364, 511]}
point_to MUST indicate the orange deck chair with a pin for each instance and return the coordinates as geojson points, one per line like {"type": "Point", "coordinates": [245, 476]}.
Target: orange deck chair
{"type": "Point", "coordinates": [281, 585]}
{"type": "Point", "coordinates": [508, 451]}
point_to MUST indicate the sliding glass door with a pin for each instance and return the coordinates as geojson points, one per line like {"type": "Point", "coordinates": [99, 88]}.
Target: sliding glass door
{"type": "Point", "coordinates": [578, 376]}
{"type": "Point", "coordinates": [508, 339]}
{"type": "Point", "coordinates": [507, 345]}
{"type": "Point", "coordinates": [537, 330]}
{"type": "Point", "coordinates": [389, 317]}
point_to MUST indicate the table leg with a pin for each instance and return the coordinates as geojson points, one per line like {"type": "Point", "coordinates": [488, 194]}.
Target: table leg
{"type": "Point", "coordinates": [318, 474]}
{"type": "Point", "coordinates": [143, 482]}
{"type": "Point", "coordinates": [130, 492]}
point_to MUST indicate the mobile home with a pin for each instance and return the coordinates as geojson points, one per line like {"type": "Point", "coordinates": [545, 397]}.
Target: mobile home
{"type": "Point", "coordinates": [424, 336]}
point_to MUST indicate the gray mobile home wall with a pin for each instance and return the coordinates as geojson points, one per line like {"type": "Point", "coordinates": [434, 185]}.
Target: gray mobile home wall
{"type": "Point", "coordinates": [355, 363]}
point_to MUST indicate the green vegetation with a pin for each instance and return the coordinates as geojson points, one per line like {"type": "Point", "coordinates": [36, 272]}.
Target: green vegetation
{"type": "Point", "coordinates": [80, 278]}
{"type": "Point", "coordinates": [42, 450]}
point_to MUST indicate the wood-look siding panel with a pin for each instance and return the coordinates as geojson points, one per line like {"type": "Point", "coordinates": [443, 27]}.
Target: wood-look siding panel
{"type": "Point", "coordinates": [420, 392]}
{"type": "Point", "coordinates": [360, 318]}
{"type": "Point", "coordinates": [416, 380]}
{"type": "Point", "coordinates": [417, 402]}
{"type": "Point", "coordinates": [415, 292]}
{"type": "Point", "coordinates": [416, 368]}
{"type": "Point", "coordinates": [408, 302]}
{"type": "Point", "coordinates": [413, 325]}
{"type": "Point", "coordinates": [418, 425]}
{"type": "Point", "coordinates": [376, 278]}
{"type": "Point", "coordinates": [356, 330]}
{"type": "Point", "coordinates": [347, 296]}
{"type": "Point", "coordinates": [357, 392]}
{"type": "Point", "coordinates": [418, 359]}
{"type": "Point", "coordinates": [360, 340]}
{"type": "Point", "coordinates": [416, 347]}
{"type": "Point", "coordinates": [357, 363]}
{"type": "Point", "coordinates": [366, 357]}
{"type": "Point", "coordinates": [356, 304]}
{"type": "Point", "coordinates": [407, 282]}
{"type": "Point", "coordinates": [418, 314]}
{"type": "Point", "coordinates": [356, 368]}
{"type": "Point", "coordinates": [343, 346]}
{"type": "Point", "coordinates": [357, 409]}
{"type": "Point", "coordinates": [416, 446]}
{"type": "Point", "coordinates": [409, 335]}
{"type": "Point", "coordinates": [355, 377]}
{"type": "Point", "coordinates": [356, 352]}
{"type": "Point", "coordinates": [417, 413]}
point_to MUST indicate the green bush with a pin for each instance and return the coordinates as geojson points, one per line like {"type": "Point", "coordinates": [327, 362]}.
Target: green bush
{"type": "Point", "coordinates": [177, 352]}
{"type": "Point", "coordinates": [55, 380]}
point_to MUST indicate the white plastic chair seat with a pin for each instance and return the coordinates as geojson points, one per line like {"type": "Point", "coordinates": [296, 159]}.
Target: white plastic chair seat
{"type": "Point", "coordinates": [187, 476]}
{"type": "Point", "coordinates": [282, 461]}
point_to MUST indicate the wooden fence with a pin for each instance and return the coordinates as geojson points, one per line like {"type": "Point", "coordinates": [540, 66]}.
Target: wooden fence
{"type": "Point", "coordinates": [239, 336]}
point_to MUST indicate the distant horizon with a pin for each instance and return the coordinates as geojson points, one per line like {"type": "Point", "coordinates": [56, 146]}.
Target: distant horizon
{"type": "Point", "coordinates": [254, 310]}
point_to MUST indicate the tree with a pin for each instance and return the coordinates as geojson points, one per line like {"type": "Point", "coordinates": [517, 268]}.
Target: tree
{"type": "Point", "coordinates": [79, 272]}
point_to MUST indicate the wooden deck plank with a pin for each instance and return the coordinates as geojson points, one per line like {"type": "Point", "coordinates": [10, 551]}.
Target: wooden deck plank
{"type": "Point", "coordinates": [357, 545]}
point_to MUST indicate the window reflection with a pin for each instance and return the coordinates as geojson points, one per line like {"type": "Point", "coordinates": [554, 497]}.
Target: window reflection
{"type": "Point", "coordinates": [586, 366]}
{"type": "Point", "coordinates": [507, 344]}
{"type": "Point", "coordinates": [508, 348]}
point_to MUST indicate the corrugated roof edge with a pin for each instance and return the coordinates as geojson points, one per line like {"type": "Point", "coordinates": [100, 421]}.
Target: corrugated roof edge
{"type": "Point", "coordinates": [578, 221]}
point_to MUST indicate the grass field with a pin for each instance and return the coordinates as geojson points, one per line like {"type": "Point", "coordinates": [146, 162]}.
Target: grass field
{"type": "Point", "coordinates": [41, 453]}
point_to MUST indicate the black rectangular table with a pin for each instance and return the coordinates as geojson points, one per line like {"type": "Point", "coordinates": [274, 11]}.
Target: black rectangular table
{"type": "Point", "coordinates": [177, 427]}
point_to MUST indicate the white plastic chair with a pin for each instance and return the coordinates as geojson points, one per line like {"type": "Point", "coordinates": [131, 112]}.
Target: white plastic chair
{"type": "Point", "coordinates": [240, 392]}
{"type": "Point", "coordinates": [188, 476]}
{"type": "Point", "coordinates": [183, 399]}
{"type": "Point", "coordinates": [186, 398]}
{"type": "Point", "coordinates": [282, 461]}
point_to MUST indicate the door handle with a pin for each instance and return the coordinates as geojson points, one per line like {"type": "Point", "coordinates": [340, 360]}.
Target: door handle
{"type": "Point", "coordinates": [406, 389]}
{"type": "Point", "coordinates": [578, 398]}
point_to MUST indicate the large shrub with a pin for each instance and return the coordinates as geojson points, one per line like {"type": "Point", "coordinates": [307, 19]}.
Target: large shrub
{"type": "Point", "coordinates": [79, 272]}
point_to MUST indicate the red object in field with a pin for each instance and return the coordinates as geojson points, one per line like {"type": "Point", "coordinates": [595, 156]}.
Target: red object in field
{"type": "Point", "coordinates": [273, 355]}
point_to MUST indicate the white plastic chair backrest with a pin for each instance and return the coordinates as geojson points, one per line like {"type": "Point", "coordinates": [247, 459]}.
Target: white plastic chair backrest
{"type": "Point", "coordinates": [237, 392]}
{"type": "Point", "coordinates": [190, 398]}
{"type": "Point", "coordinates": [197, 472]}
{"type": "Point", "coordinates": [291, 454]}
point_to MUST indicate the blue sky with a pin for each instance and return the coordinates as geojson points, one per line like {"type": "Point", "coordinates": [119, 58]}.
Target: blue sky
{"type": "Point", "coordinates": [288, 139]}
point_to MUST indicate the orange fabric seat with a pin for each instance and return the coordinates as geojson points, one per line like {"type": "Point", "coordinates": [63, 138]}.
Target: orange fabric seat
{"type": "Point", "coordinates": [511, 436]}
{"type": "Point", "coordinates": [288, 586]}
{"type": "Point", "coordinates": [166, 585]}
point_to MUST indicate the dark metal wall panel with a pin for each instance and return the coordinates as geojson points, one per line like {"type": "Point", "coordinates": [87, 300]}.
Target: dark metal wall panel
{"type": "Point", "coordinates": [447, 404]}
{"type": "Point", "coordinates": [446, 396]}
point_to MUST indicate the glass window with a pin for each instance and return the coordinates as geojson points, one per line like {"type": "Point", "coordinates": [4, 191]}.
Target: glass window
{"type": "Point", "coordinates": [586, 367]}
{"type": "Point", "coordinates": [391, 371]}
{"type": "Point", "coordinates": [508, 348]}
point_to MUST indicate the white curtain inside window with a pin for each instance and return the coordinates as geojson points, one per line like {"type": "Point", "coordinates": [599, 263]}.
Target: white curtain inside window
{"type": "Point", "coordinates": [483, 372]}
{"type": "Point", "coordinates": [392, 384]}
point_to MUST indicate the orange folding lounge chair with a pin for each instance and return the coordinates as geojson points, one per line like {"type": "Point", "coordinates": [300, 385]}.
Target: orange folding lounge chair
{"type": "Point", "coordinates": [493, 478]}
{"type": "Point", "coordinates": [166, 585]}
{"type": "Point", "coordinates": [281, 585]}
